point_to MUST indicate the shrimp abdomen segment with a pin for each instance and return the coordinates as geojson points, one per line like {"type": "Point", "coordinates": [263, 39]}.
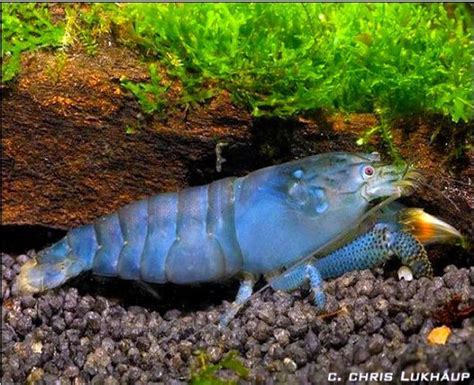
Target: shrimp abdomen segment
{"type": "Point", "coordinates": [134, 225]}
{"type": "Point", "coordinates": [162, 214]}
{"type": "Point", "coordinates": [206, 247]}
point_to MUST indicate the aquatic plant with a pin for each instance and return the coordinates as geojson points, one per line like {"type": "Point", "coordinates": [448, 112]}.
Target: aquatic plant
{"type": "Point", "coordinates": [395, 60]}
{"type": "Point", "coordinates": [25, 27]}
{"type": "Point", "coordinates": [151, 96]}
{"type": "Point", "coordinates": [285, 59]}
{"type": "Point", "coordinates": [205, 373]}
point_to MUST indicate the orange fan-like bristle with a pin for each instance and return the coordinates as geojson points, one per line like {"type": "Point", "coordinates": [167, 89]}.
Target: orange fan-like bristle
{"type": "Point", "coordinates": [427, 228]}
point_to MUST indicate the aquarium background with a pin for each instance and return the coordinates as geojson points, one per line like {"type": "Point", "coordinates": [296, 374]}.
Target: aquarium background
{"type": "Point", "coordinates": [104, 104]}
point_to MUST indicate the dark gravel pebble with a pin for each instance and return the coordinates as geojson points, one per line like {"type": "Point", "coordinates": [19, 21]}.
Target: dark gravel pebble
{"type": "Point", "coordinates": [66, 337]}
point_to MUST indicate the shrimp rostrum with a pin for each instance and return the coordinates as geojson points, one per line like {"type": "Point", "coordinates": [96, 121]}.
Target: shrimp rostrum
{"type": "Point", "coordinates": [250, 226]}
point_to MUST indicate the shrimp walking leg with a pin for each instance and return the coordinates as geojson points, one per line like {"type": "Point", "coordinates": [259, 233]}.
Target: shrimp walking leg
{"type": "Point", "coordinates": [299, 276]}
{"type": "Point", "coordinates": [244, 293]}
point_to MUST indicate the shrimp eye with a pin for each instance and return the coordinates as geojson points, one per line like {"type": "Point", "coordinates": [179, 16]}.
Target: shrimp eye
{"type": "Point", "coordinates": [369, 171]}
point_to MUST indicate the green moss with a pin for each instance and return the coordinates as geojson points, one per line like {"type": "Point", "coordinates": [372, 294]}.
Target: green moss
{"type": "Point", "coordinates": [25, 27]}
{"type": "Point", "coordinates": [281, 60]}
{"type": "Point", "coordinates": [284, 59]}
{"type": "Point", "coordinates": [205, 373]}
{"type": "Point", "coordinates": [151, 95]}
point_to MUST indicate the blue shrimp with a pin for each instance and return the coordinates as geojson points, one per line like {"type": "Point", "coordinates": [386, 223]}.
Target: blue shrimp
{"type": "Point", "coordinates": [248, 227]}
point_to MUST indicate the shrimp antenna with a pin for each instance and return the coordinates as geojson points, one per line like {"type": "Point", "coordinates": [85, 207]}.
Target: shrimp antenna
{"type": "Point", "coordinates": [451, 179]}
{"type": "Point", "coordinates": [441, 194]}
{"type": "Point", "coordinates": [422, 182]}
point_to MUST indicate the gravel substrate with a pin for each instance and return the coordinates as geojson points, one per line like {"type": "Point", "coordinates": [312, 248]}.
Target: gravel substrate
{"type": "Point", "coordinates": [77, 335]}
